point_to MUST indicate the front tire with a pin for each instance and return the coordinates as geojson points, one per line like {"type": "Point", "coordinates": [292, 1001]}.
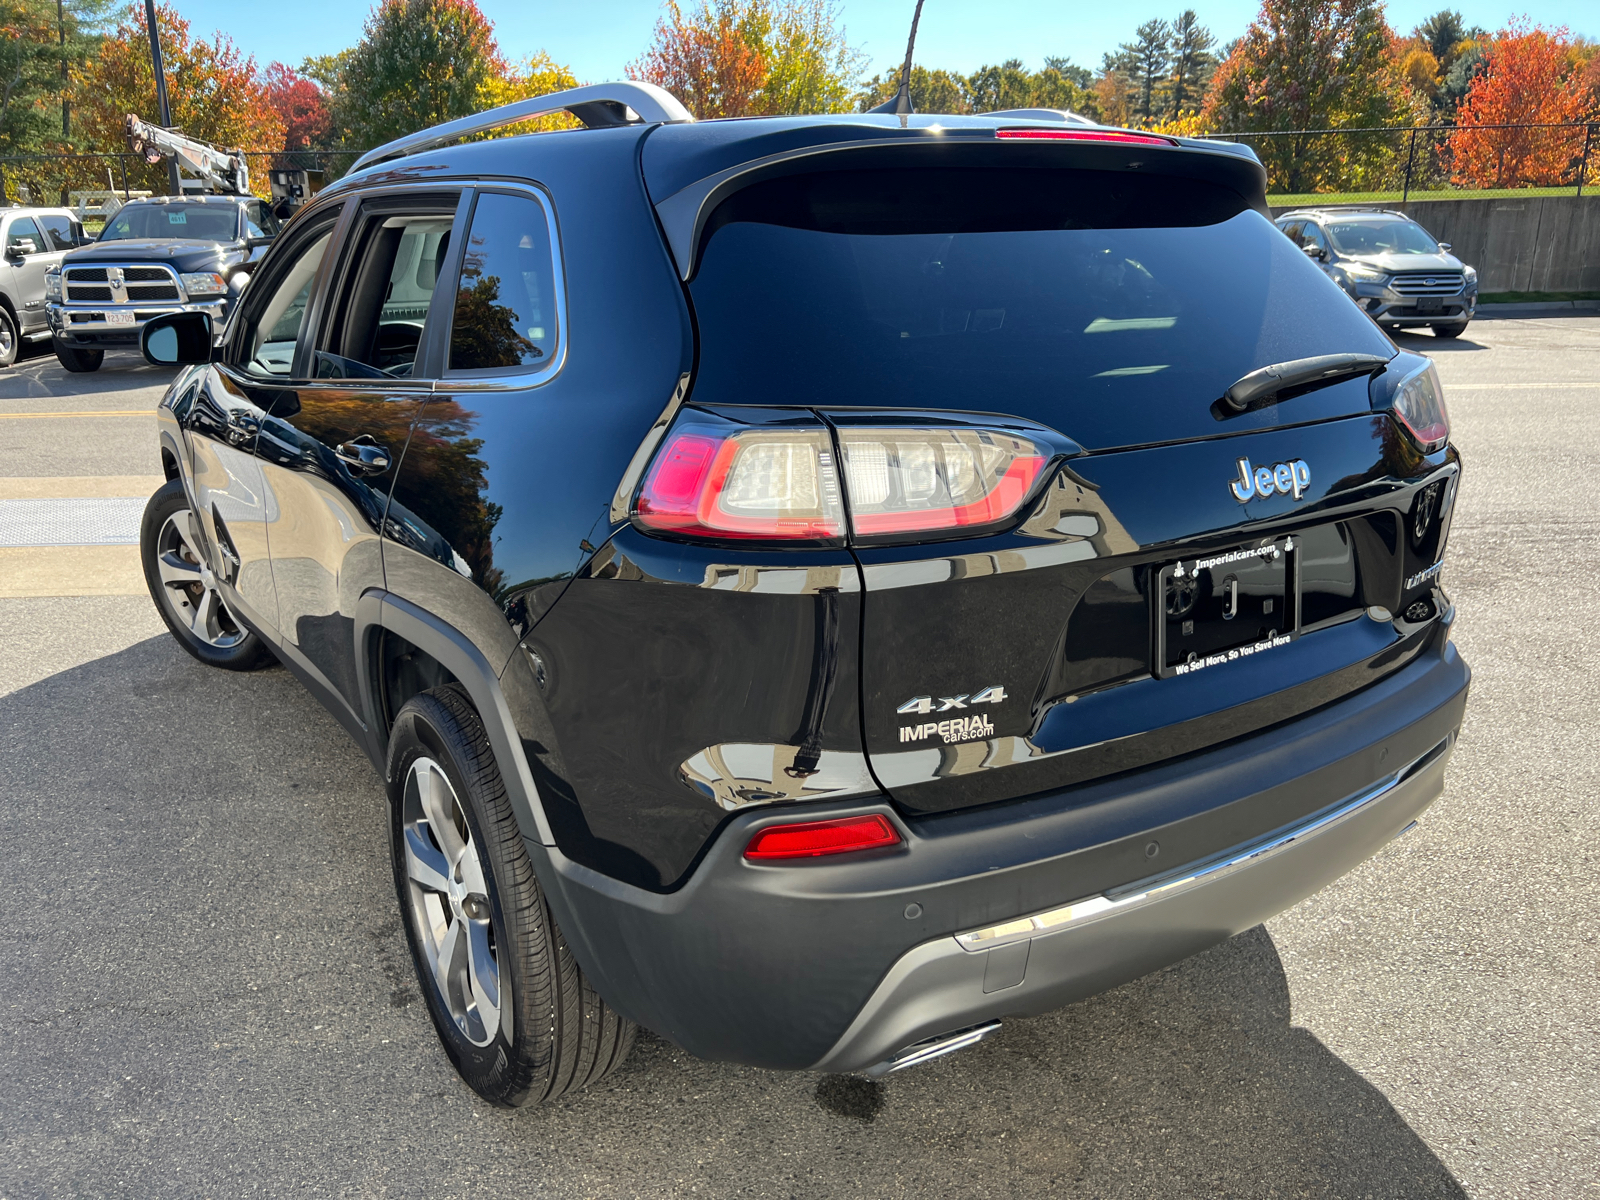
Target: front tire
{"type": "Point", "coordinates": [10, 342]}
{"type": "Point", "coordinates": [185, 590]}
{"type": "Point", "coordinates": [1453, 330]}
{"type": "Point", "coordinates": [76, 360]}
{"type": "Point", "coordinates": [512, 1008]}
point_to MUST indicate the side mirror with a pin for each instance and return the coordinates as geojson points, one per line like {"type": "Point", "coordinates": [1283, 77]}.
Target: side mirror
{"type": "Point", "coordinates": [15, 251]}
{"type": "Point", "coordinates": [176, 339]}
{"type": "Point", "coordinates": [1445, 246]}
{"type": "Point", "coordinates": [1314, 251]}
{"type": "Point", "coordinates": [257, 242]}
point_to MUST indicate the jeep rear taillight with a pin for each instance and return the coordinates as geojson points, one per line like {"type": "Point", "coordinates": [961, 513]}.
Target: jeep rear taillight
{"type": "Point", "coordinates": [1419, 407]}
{"type": "Point", "coordinates": [779, 484]}
{"type": "Point", "coordinates": [924, 480]}
{"type": "Point", "coordinates": [726, 481]}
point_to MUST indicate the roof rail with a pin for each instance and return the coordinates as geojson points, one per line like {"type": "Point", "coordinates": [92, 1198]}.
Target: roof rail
{"type": "Point", "coordinates": [598, 105]}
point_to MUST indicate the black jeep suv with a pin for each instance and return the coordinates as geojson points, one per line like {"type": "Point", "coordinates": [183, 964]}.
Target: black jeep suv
{"type": "Point", "coordinates": [816, 587]}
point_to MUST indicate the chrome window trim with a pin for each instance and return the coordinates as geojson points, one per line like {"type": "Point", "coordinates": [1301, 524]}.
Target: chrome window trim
{"type": "Point", "coordinates": [1164, 887]}
{"type": "Point", "coordinates": [512, 379]}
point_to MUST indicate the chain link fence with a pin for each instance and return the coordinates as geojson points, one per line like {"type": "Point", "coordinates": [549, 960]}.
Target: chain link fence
{"type": "Point", "coordinates": [54, 179]}
{"type": "Point", "coordinates": [1398, 162]}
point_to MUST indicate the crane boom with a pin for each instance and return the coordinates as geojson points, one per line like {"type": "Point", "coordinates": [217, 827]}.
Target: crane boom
{"type": "Point", "coordinates": [224, 171]}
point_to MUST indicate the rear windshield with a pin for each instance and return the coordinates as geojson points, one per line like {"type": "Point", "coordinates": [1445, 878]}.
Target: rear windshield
{"type": "Point", "coordinates": [1381, 237]}
{"type": "Point", "coordinates": [1114, 307]}
{"type": "Point", "coordinates": [189, 222]}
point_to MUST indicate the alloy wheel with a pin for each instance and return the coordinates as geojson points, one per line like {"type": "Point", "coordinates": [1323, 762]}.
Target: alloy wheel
{"type": "Point", "coordinates": [188, 585]}
{"type": "Point", "coordinates": [450, 902]}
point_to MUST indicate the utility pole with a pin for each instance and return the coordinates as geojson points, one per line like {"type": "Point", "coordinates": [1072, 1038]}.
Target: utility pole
{"type": "Point", "coordinates": [161, 91]}
{"type": "Point", "coordinates": [66, 104]}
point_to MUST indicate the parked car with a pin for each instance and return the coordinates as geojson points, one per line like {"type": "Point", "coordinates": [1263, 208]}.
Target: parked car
{"type": "Point", "coordinates": [818, 586]}
{"type": "Point", "coordinates": [33, 241]}
{"type": "Point", "coordinates": [1393, 268]}
{"type": "Point", "coordinates": [170, 254]}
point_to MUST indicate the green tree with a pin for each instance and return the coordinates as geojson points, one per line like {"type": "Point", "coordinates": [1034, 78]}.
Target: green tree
{"type": "Point", "coordinates": [40, 46]}
{"type": "Point", "coordinates": [1081, 77]}
{"type": "Point", "coordinates": [811, 66]}
{"type": "Point", "coordinates": [932, 91]}
{"type": "Point", "coordinates": [1308, 65]}
{"type": "Point", "coordinates": [1144, 61]}
{"type": "Point", "coordinates": [419, 63]}
{"type": "Point", "coordinates": [1193, 63]}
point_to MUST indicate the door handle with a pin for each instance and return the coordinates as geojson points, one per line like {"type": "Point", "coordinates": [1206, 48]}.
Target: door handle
{"type": "Point", "coordinates": [363, 455]}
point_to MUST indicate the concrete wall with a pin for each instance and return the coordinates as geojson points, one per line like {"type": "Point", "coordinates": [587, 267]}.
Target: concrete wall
{"type": "Point", "coordinates": [1533, 244]}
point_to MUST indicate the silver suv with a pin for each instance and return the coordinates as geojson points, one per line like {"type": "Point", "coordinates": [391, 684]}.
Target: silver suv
{"type": "Point", "coordinates": [1393, 268]}
{"type": "Point", "coordinates": [32, 241]}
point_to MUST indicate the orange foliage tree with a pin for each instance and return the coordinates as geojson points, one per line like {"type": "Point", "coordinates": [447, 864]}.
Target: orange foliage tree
{"type": "Point", "coordinates": [1527, 78]}
{"type": "Point", "coordinates": [711, 59]}
{"type": "Point", "coordinates": [212, 87]}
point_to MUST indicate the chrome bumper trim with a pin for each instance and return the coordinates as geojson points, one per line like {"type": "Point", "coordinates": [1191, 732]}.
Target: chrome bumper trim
{"type": "Point", "coordinates": [933, 1048]}
{"type": "Point", "coordinates": [1165, 887]}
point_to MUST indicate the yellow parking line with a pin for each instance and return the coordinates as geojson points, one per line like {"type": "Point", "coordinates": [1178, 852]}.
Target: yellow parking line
{"type": "Point", "coordinates": [77, 487]}
{"type": "Point", "coordinates": [93, 412]}
{"type": "Point", "coordinates": [70, 571]}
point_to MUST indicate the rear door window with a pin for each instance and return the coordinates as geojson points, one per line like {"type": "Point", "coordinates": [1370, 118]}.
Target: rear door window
{"type": "Point", "coordinates": [505, 317]}
{"type": "Point", "coordinates": [385, 298]}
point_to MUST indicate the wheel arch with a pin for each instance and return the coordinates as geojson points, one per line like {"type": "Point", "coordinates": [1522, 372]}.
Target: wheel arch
{"type": "Point", "coordinates": [406, 649]}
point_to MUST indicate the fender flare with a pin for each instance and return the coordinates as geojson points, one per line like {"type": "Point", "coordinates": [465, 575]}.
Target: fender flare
{"type": "Point", "coordinates": [377, 610]}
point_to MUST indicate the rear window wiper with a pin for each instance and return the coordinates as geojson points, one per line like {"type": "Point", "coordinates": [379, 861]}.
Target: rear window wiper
{"type": "Point", "coordinates": [1263, 385]}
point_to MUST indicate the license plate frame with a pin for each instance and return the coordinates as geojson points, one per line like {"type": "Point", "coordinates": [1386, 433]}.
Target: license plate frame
{"type": "Point", "coordinates": [1430, 304]}
{"type": "Point", "coordinates": [1190, 599]}
{"type": "Point", "coordinates": [114, 317]}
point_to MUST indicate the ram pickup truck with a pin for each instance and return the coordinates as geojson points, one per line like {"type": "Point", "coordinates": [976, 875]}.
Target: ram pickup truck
{"type": "Point", "coordinates": [157, 256]}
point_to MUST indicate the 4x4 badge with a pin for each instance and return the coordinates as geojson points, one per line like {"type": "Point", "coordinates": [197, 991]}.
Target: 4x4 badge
{"type": "Point", "coordinates": [926, 704]}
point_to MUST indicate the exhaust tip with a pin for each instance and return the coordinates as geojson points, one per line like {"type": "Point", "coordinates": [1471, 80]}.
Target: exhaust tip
{"type": "Point", "coordinates": [931, 1048]}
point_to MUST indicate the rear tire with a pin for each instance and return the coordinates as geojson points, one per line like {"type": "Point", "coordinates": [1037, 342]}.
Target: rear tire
{"type": "Point", "coordinates": [10, 342]}
{"type": "Point", "coordinates": [184, 590]}
{"type": "Point", "coordinates": [512, 1008]}
{"type": "Point", "coordinates": [1454, 330]}
{"type": "Point", "coordinates": [74, 359]}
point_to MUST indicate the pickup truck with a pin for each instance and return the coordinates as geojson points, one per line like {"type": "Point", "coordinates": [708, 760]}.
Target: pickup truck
{"type": "Point", "coordinates": [162, 255]}
{"type": "Point", "coordinates": [33, 241]}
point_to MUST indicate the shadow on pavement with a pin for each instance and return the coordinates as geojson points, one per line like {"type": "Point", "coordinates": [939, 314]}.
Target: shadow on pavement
{"type": "Point", "coordinates": [39, 374]}
{"type": "Point", "coordinates": [1426, 343]}
{"type": "Point", "coordinates": [208, 992]}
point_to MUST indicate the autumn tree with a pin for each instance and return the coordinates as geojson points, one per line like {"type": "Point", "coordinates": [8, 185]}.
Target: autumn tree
{"type": "Point", "coordinates": [419, 63]}
{"type": "Point", "coordinates": [1312, 65]}
{"type": "Point", "coordinates": [301, 105]}
{"type": "Point", "coordinates": [1527, 77]}
{"type": "Point", "coordinates": [213, 88]}
{"type": "Point", "coordinates": [736, 58]}
{"type": "Point", "coordinates": [710, 59]}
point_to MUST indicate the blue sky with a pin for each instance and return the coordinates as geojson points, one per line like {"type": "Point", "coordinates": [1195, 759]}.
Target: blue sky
{"type": "Point", "coordinates": [597, 39]}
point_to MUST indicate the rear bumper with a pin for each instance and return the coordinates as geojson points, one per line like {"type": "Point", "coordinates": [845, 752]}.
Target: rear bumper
{"type": "Point", "coordinates": [1079, 950]}
{"type": "Point", "coordinates": [838, 965]}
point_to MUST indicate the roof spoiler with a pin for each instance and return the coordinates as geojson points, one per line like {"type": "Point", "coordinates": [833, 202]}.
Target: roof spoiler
{"type": "Point", "coordinates": [598, 106]}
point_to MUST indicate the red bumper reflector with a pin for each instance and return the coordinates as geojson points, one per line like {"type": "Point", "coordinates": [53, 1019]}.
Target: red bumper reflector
{"type": "Point", "coordinates": [811, 839]}
{"type": "Point", "coordinates": [1083, 135]}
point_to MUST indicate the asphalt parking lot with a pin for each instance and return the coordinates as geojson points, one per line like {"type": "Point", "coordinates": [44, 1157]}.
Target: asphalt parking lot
{"type": "Point", "coordinates": [207, 991]}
